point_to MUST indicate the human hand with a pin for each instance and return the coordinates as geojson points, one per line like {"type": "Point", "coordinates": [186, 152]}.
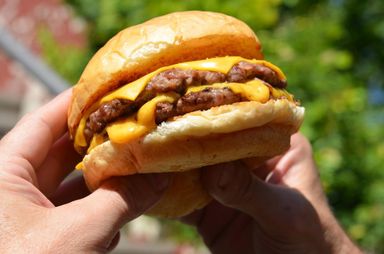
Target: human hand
{"type": "Point", "coordinates": [279, 207]}
{"type": "Point", "coordinates": [35, 157]}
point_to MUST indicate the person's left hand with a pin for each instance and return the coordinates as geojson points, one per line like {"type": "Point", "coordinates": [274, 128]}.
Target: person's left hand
{"type": "Point", "coordinates": [38, 215]}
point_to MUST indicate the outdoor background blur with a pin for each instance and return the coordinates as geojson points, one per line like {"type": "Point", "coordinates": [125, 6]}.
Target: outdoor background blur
{"type": "Point", "coordinates": [332, 52]}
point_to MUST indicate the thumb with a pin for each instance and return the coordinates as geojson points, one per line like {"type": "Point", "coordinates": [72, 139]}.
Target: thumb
{"type": "Point", "coordinates": [119, 200]}
{"type": "Point", "coordinates": [271, 206]}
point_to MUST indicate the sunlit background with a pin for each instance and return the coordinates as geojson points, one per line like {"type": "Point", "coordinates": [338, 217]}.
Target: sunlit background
{"type": "Point", "coordinates": [332, 52]}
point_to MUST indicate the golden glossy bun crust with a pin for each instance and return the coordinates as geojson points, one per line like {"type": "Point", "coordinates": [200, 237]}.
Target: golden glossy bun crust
{"type": "Point", "coordinates": [162, 41]}
{"type": "Point", "coordinates": [200, 138]}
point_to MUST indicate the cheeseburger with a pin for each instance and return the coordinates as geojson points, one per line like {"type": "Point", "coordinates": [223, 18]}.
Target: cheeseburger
{"type": "Point", "coordinates": [175, 94]}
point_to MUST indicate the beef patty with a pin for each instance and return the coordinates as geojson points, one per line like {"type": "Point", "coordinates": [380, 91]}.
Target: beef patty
{"type": "Point", "coordinates": [202, 100]}
{"type": "Point", "coordinates": [178, 80]}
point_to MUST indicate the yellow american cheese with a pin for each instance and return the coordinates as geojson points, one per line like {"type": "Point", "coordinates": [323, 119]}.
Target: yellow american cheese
{"type": "Point", "coordinates": [79, 136]}
{"type": "Point", "coordinates": [146, 116]}
{"type": "Point", "coordinates": [97, 139]}
{"type": "Point", "coordinates": [79, 166]}
{"type": "Point", "coordinates": [220, 64]}
{"type": "Point", "coordinates": [80, 140]}
{"type": "Point", "coordinates": [137, 125]}
{"type": "Point", "coordinates": [124, 130]}
{"type": "Point", "coordinates": [143, 122]}
{"type": "Point", "coordinates": [281, 93]}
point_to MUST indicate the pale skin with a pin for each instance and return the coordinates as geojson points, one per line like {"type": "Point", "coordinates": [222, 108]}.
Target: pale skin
{"type": "Point", "coordinates": [35, 157]}
{"type": "Point", "coordinates": [287, 213]}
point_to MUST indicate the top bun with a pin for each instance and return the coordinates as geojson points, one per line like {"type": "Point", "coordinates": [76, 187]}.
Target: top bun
{"type": "Point", "coordinates": [166, 40]}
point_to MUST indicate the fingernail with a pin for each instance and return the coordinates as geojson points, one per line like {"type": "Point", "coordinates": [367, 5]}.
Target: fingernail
{"type": "Point", "coordinates": [274, 177]}
{"type": "Point", "coordinates": [159, 181]}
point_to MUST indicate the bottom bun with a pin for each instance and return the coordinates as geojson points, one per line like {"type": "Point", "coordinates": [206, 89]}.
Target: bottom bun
{"type": "Point", "coordinates": [195, 140]}
{"type": "Point", "coordinates": [184, 195]}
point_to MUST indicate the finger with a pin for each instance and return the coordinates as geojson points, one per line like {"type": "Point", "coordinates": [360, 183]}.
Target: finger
{"type": "Point", "coordinates": [116, 202]}
{"type": "Point", "coordinates": [274, 170]}
{"type": "Point", "coordinates": [35, 133]}
{"type": "Point", "coordinates": [234, 237]}
{"type": "Point", "coordinates": [115, 241]}
{"type": "Point", "coordinates": [297, 170]}
{"type": "Point", "coordinates": [270, 205]}
{"type": "Point", "coordinates": [194, 218]}
{"type": "Point", "coordinates": [223, 229]}
{"type": "Point", "coordinates": [257, 166]}
{"type": "Point", "coordinates": [73, 189]}
{"type": "Point", "coordinates": [60, 161]}
{"type": "Point", "coordinates": [299, 153]}
{"type": "Point", "coordinates": [211, 220]}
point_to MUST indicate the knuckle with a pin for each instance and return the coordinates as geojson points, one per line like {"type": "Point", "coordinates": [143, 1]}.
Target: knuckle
{"type": "Point", "coordinates": [238, 192]}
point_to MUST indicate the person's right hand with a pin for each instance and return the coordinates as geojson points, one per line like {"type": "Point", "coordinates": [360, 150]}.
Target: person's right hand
{"type": "Point", "coordinates": [38, 214]}
{"type": "Point", "coordinates": [277, 208]}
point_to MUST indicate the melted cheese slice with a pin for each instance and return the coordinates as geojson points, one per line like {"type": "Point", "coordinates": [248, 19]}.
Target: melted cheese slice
{"type": "Point", "coordinates": [97, 139]}
{"type": "Point", "coordinates": [220, 64]}
{"type": "Point", "coordinates": [139, 124]}
{"type": "Point", "coordinates": [79, 136]}
{"type": "Point", "coordinates": [143, 121]}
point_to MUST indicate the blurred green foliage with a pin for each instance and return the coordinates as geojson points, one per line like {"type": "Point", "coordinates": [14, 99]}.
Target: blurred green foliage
{"type": "Point", "coordinates": [68, 60]}
{"type": "Point", "coordinates": [332, 53]}
{"type": "Point", "coordinates": [180, 232]}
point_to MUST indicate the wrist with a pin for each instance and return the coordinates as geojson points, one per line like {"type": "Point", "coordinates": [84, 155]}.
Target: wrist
{"type": "Point", "coordinates": [336, 238]}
